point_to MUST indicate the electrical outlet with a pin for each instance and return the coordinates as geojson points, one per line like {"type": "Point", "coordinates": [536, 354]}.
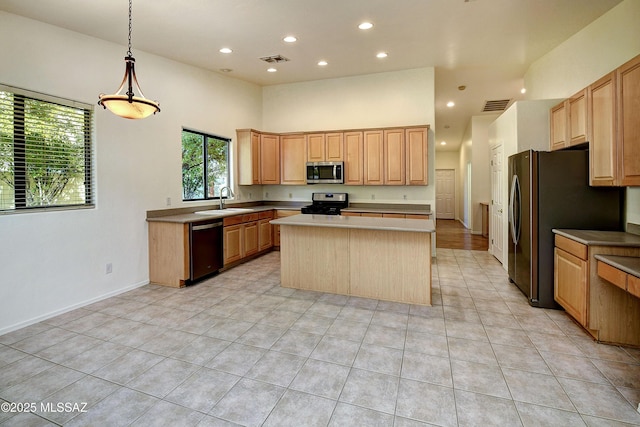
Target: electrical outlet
{"type": "Point", "coordinates": [249, 196]}
{"type": "Point", "coordinates": [266, 195]}
{"type": "Point", "coordinates": [290, 195]}
{"type": "Point", "coordinates": [109, 268]}
{"type": "Point", "coordinates": [404, 196]}
{"type": "Point", "coordinates": [168, 201]}
{"type": "Point", "coordinates": [373, 197]}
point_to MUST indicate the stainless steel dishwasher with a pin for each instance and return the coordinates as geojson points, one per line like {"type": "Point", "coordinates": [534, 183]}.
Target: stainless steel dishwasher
{"type": "Point", "coordinates": [205, 249]}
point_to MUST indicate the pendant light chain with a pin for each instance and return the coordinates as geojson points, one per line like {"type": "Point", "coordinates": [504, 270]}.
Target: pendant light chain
{"type": "Point", "coordinates": [129, 51]}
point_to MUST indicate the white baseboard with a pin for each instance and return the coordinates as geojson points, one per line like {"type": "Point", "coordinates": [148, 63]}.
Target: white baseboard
{"type": "Point", "coordinates": [55, 313]}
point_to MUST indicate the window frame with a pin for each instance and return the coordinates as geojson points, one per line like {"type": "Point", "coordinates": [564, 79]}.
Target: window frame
{"type": "Point", "coordinates": [20, 144]}
{"type": "Point", "coordinates": [206, 136]}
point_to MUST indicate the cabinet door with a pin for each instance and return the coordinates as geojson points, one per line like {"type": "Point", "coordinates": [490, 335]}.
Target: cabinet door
{"type": "Point", "coordinates": [293, 154]}
{"type": "Point", "coordinates": [269, 159]}
{"type": "Point", "coordinates": [558, 127]}
{"type": "Point", "coordinates": [394, 157]}
{"type": "Point", "coordinates": [232, 243]}
{"type": "Point", "coordinates": [265, 233]}
{"type": "Point", "coordinates": [577, 118]}
{"type": "Point", "coordinates": [250, 238]}
{"type": "Point", "coordinates": [628, 123]}
{"type": "Point", "coordinates": [255, 158]}
{"type": "Point", "coordinates": [373, 157]}
{"type": "Point", "coordinates": [248, 156]}
{"type": "Point", "coordinates": [601, 106]}
{"type": "Point", "coordinates": [316, 147]}
{"type": "Point", "coordinates": [334, 147]}
{"type": "Point", "coordinates": [570, 284]}
{"type": "Point", "coordinates": [417, 155]}
{"type": "Point", "coordinates": [353, 165]}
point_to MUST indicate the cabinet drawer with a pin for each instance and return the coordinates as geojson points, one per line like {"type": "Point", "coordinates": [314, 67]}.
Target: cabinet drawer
{"type": "Point", "coordinates": [232, 220]}
{"type": "Point", "coordinates": [633, 285]}
{"type": "Point", "coordinates": [250, 217]}
{"type": "Point", "coordinates": [266, 215]}
{"type": "Point", "coordinates": [613, 275]}
{"type": "Point", "coordinates": [571, 246]}
{"type": "Point", "coordinates": [414, 216]}
{"type": "Point", "coordinates": [393, 215]}
{"type": "Point", "coordinates": [350, 213]}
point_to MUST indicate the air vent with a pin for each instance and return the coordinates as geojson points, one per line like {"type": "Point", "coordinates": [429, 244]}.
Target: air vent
{"type": "Point", "coordinates": [274, 59]}
{"type": "Point", "coordinates": [496, 105]}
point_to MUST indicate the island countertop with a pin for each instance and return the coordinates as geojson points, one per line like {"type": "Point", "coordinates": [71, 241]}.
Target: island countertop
{"type": "Point", "coordinates": [356, 222]}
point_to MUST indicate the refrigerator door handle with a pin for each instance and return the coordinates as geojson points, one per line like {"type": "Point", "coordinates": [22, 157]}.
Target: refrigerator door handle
{"type": "Point", "coordinates": [513, 215]}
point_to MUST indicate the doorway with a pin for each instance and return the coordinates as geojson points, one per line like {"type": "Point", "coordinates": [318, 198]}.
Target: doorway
{"type": "Point", "coordinates": [496, 208]}
{"type": "Point", "coordinates": [445, 193]}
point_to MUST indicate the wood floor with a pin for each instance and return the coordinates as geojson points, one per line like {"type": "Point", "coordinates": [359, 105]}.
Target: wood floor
{"type": "Point", "coordinates": [451, 234]}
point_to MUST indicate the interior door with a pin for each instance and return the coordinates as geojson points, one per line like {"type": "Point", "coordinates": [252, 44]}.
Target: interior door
{"type": "Point", "coordinates": [445, 193]}
{"type": "Point", "coordinates": [496, 217]}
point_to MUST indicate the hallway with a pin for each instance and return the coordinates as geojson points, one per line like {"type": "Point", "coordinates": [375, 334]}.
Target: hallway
{"type": "Point", "coordinates": [451, 234]}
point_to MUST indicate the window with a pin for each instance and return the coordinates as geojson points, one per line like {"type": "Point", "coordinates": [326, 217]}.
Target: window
{"type": "Point", "coordinates": [45, 151]}
{"type": "Point", "coordinates": [205, 165]}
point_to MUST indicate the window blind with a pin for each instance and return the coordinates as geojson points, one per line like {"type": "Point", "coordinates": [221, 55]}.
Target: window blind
{"type": "Point", "coordinates": [46, 151]}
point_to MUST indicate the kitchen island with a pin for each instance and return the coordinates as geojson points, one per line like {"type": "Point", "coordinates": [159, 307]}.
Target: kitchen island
{"type": "Point", "coordinates": [382, 258]}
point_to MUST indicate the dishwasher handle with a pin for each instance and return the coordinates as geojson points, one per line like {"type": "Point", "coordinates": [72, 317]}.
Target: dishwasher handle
{"type": "Point", "coordinates": [206, 226]}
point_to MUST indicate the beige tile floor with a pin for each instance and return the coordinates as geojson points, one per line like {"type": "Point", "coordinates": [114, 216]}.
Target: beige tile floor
{"type": "Point", "coordinates": [237, 349]}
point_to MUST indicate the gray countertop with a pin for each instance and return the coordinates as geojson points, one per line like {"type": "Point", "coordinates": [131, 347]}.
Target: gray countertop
{"type": "Point", "coordinates": [601, 238]}
{"type": "Point", "coordinates": [357, 222]}
{"type": "Point", "coordinates": [230, 211]}
{"type": "Point", "coordinates": [628, 264]}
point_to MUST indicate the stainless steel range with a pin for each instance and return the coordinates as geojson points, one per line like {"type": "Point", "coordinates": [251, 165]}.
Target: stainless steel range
{"type": "Point", "coordinates": [327, 203]}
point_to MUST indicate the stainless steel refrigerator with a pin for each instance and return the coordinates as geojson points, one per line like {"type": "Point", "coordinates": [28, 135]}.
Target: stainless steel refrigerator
{"type": "Point", "coordinates": [551, 190]}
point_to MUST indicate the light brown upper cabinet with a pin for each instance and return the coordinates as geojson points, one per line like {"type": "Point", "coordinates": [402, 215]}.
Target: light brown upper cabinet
{"type": "Point", "coordinates": [325, 147]}
{"type": "Point", "coordinates": [601, 106]}
{"type": "Point", "coordinates": [569, 122]}
{"type": "Point", "coordinates": [248, 157]}
{"type": "Point", "coordinates": [394, 157]}
{"type": "Point", "coordinates": [373, 157]}
{"type": "Point", "coordinates": [558, 138]}
{"type": "Point", "coordinates": [577, 118]}
{"type": "Point", "coordinates": [293, 154]}
{"type": "Point", "coordinates": [258, 157]}
{"type": "Point", "coordinates": [416, 141]}
{"type": "Point", "coordinates": [353, 164]}
{"type": "Point", "coordinates": [269, 159]}
{"type": "Point", "coordinates": [628, 79]}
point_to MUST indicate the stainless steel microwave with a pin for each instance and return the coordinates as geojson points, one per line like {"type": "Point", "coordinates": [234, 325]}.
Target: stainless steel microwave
{"type": "Point", "coordinates": [325, 172]}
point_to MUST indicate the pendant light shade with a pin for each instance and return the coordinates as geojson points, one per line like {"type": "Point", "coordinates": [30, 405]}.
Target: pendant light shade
{"type": "Point", "coordinates": [129, 105]}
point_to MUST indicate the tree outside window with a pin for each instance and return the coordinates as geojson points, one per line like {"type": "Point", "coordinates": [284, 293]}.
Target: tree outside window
{"type": "Point", "coordinates": [45, 153]}
{"type": "Point", "coordinates": [205, 165]}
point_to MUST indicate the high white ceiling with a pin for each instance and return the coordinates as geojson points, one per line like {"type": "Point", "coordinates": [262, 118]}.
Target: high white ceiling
{"type": "Point", "coordinates": [486, 45]}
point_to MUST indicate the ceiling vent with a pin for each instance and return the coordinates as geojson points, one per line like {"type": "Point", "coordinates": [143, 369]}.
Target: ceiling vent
{"type": "Point", "coordinates": [274, 59]}
{"type": "Point", "coordinates": [496, 105]}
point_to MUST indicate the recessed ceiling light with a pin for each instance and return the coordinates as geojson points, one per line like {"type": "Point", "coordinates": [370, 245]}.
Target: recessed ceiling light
{"type": "Point", "coordinates": [523, 90]}
{"type": "Point", "coordinates": [450, 104]}
{"type": "Point", "coordinates": [272, 70]}
{"type": "Point", "coordinates": [225, 50]}
{"type": "Point", "coordinates": [462, 87]}
{"type": "Point", "coordinates": [382, 55]}
{"type": "Point", "coordinates": [443, 143]}
{"type": "Point", "coordinates": [322, 63]}
{"type": "Point", "coordinates": [226, 70]}
{"type": "Point", "coordinates": [290, 39]}
{"type": "Point", "coordinates": [365, 25]}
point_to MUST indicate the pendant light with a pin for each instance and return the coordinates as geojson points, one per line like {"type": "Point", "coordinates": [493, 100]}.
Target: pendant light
{"type": "Point", "coordinates": [129, 106]}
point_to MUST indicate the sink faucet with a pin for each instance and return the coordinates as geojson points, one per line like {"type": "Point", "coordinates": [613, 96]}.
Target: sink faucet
{"type": "Point", "coordinates": [228, 195]}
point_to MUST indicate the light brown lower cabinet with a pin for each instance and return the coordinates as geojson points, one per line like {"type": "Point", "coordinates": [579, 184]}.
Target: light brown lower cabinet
{"type": "Point", "coordinates": [386, 215]}
{"type": "Point", "coordinates": [242, 236]}
{"type": "Point", "coordinates": [276, 228]}
{"type": "Point", "coordinates": [608, 312]}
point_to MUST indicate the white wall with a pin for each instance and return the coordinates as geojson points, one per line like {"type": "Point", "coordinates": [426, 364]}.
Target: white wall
{"type": "Point", "coordinates": [481, 168]}
{"type": "Point", "coordinates": [594, 51]}
{"type": "Point", "coordinates": [53, 261]}
{"type": "Point", "coordinates": [400, 98]}
{"type": "Point", "coordinates": [466, 152]}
